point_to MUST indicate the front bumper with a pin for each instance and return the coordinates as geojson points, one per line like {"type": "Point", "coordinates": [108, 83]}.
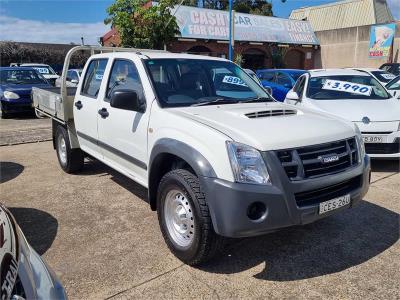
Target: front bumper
{"type": "Point", "coordinates": [35, 278]}
{"type": "Point", "coordinates": [229, 202]}
{"type": "Point", "coordinates": [19, 105]}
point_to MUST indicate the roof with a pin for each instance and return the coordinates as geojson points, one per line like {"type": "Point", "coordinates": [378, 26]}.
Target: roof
{"type": "Point", "coordinates": [344, 14]}
{"type": "Point", "coordinates": [33, 64]}
{"type": "Point", "coordinates": [15, 68]}
{"type": "Point", "coordinates": [333, 72]}
{"type": "Point", "coordinates": [158, 55]}
{"type": "Point", "coordinates": [283, 70]}
{"type": "Point", "coordinates": [367, 69]}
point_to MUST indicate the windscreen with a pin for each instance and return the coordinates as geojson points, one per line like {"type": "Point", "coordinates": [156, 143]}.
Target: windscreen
{"type": "Point", "coordinates": [345, 87]}
{"type": "Point", "coordinates": [185, 82]}
{"type": "Point", "coordinates": [21, 77]}
{"type": "Point", "coordinates": [44, 70]}
{"type": "Point", "coordinates": [383, 76]}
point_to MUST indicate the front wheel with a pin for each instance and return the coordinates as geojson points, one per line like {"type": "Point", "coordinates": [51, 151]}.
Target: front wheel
{"type": "Point", "coordinates": [184, 218]}
{"type": "Point", "coordinates": [71, 160]}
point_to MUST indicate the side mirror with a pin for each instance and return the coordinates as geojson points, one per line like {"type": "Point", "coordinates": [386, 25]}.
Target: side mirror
{"type": "Point", "coordinates": [76, 81]}
{"type": "Point", "coordinates": [393, 93]}
{"type": "Point", "coordinates": [292, 95]}
{"type": "Point", "coordinates": [127, 100]}
{"type": "Point", "coordinates": [268, 89]}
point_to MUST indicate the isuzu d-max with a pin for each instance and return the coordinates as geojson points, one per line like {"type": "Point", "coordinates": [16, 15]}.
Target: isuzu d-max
{"type": "Point", "coordinates": [219, 157]}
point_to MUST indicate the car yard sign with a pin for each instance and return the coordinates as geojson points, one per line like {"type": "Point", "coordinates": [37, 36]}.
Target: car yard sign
{"type": "Point", "coordinates": [381, 39]}
{"type": "Point", "coordinates": [213, 24]}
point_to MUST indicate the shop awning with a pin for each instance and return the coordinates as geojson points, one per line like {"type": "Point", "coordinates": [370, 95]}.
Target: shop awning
{"type": "Point", "coordinates": [210, 24]}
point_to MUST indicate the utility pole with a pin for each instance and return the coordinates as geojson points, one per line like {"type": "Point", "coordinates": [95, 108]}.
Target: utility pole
{"type": "Point", "coordinates": [231, 30]}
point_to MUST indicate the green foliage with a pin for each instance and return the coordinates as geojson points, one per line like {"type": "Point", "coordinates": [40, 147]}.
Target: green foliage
{"type": "Point", "coordinates": [256, 7]}
{"type": "Point", "coordinates": [143, 27]}
{"type": "Point", "coordinates": [239, 59]}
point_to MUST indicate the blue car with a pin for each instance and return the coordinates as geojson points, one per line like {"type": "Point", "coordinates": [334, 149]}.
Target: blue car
{"type": "Point", "coordinates": [15, 89]}
{"type": "Point", "coordinates": [279, 80]}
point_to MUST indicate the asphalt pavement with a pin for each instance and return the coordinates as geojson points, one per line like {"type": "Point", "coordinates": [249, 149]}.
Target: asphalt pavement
{"type": "Point", "coordinates": [97, 232]}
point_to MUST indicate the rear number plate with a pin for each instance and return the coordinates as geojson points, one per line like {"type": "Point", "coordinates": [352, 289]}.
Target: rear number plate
{"type": "Point", "coordinates": [334, 204]}
{"type": "Point", "coordinates": [373, 139]}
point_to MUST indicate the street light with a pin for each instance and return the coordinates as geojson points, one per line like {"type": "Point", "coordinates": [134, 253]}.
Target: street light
{"type": "Point", "coordinates": [231, 33]}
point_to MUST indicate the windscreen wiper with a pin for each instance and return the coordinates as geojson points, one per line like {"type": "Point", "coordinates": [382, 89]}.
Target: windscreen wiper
{"type": "Point", "coordinates": [216, 101]}
{"type": "Point", "coordinates": [258, 99]}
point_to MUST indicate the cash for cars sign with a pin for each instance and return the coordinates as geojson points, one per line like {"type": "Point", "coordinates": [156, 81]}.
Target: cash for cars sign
{"type": "Point", "coordinates": [213, 24]}
{"type": "Point", "coordinates": [381, 39]}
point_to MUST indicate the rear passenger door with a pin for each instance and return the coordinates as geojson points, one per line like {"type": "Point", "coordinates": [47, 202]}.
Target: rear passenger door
{"type": "Point", "coordinates": [86, 106]}
{"type": "Point", "coordinates": [123, 132]}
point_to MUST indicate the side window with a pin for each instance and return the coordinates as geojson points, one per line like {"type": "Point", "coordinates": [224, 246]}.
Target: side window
{"type": "Point", "coordinates": [268, 76]}
{"type": "Point", "coordinates": [93, 77]}
{"type": "Point", "coordinates": [124, 75]}
{"type": "Point", "coordinates": [299, 86]}
{"type": "Point", "coordinates": [74, 75]}
{"type": "Point", "coordinates": [283, 79]}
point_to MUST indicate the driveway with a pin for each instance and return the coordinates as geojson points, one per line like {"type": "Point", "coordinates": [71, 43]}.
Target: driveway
{"type": "Point", "coordinates": [98, 233]}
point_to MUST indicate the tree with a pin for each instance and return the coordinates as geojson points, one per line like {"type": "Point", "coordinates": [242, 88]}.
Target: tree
{"type": "Point", "coordinates": [141, 26]}
{"type": "Point", "coordinates": [256, 7]}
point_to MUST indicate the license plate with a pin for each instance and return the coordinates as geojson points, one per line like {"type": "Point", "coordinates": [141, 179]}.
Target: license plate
{"type": "Point", "coordinates": [374, 139]}
{"type": "Point", "coordinates": [333, 204]}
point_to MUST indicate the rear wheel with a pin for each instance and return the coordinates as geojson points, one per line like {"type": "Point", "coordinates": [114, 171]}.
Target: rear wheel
{"type": "Point", "coordinates": [185, 219]}
{"type": "Point", "coordinates": [71, 160]}
{"type": "Point", "coordinates": [4, 114]}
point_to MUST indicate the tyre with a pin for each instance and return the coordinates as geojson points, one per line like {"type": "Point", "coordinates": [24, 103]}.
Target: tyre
{"type": "Point", "coordinates": [184, 218]}
{"type": "Point", "coordinates": [71, 160]}
{"type": "Point", "coordinates": [4, 114]}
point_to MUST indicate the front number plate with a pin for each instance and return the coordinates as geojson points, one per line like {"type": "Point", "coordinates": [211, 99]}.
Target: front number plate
{"type": "Point", "coordinates": [374, 139]}
{"type": "Point", "coordinates": [334, 204]}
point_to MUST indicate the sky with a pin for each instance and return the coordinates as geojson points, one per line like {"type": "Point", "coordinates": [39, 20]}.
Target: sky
{"type": "Point", "coordinates": [66, 21]}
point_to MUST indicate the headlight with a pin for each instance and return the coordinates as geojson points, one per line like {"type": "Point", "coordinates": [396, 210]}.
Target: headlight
{"type": "Point", "coordinates": [360, 143]}
{"type": "Point", "coordinates": [247, 164]}
{"type": "Point", "coordinates": [10, 95]}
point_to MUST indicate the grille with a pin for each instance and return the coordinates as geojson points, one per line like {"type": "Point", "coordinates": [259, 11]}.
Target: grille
{"type": "Point", "coordinates": [327, 193]}
{"type": "Point", "coordinates": [382, 148]}
{"type": "Point", "coordinates": [271, 113]}
{"type": "Point", "coordinates": [319, 160]}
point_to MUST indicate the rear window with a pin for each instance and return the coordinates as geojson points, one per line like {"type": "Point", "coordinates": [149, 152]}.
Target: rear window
{"type": "Point", "coordinates": [93, 78]}
{"type": "Point", "coordinates": [268, 76]}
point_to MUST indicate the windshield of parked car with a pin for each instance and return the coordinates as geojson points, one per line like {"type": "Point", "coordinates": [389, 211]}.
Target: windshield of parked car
{"type": "Point", "coordinates": [345, 87]}
{"type": "Point", "coordinates": [383, 76]}
{"type": "Point", "coordinates": [44, 70]}
{"type": "Point", "coordinates": [20, 77]}
{"type": "Point", "coordinates": [394, 84]}
{"type": "Point", "coordinates": [185, 82]}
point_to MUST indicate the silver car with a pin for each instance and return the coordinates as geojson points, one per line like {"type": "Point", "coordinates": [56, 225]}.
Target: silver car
{"type": "Point", "coordinates": [24, 274]}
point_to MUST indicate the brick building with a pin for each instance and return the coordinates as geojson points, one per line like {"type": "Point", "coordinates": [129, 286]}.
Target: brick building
{"type": "Point", "coordinates": [257, 38]}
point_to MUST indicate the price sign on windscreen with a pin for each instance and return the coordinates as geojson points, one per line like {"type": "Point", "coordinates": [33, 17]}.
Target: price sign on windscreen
{"type": "Point", "coordinates": [348, 87]}
{"type": "Point", "coordinates": [42, 70]}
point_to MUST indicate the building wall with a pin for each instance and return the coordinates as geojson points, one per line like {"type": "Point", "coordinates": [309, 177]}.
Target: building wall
{"type": "Point", "coordinates": [348, 47]}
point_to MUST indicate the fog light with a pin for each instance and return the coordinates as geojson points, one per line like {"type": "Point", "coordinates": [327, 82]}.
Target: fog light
{"type": "Point", "coordinates": [256, 211]}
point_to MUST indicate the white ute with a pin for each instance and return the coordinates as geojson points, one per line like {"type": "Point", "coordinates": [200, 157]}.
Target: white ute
{"type": "Point", "coordinates": [357, 97]}
{"type": "Point", "coordinates": [219, 157]}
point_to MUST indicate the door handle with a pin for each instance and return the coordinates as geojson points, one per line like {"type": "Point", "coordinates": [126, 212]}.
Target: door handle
{"type": "Point", "coordinates": [103, 113]}
{"type": "Point", "coordinates": [78, 104]}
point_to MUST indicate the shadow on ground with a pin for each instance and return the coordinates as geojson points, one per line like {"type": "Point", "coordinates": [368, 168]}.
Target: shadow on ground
{"type": "Point", "coordinates": [328, 246]}
{"type": "Point", "coordinates": [39, 227]}
{"type": "Point", "coordinates": [95, 167]}
{"type": "Point", "coordinates": [385, 165]}
{"type": "Point", "coordinates": [9, 170]}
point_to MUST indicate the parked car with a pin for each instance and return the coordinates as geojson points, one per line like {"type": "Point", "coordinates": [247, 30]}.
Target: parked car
{"type": "Point", "coordinates": [382, 76]}
{"type": "Point", "coordinates": [393, 68]}
{"type": "Point", "coordinates": [219, 157]}
{"type": "Point", "coordinates": [254, 76]}
{"type": "Point", "coordinates": [357, 97]}
{"type": "Point", "coordinates": [393, 87]}
{"type": "Point", "coordinates": [24, 274]}
{"type": "Point", "coordinates": [45, 70]}
{"type": "Point", "coordinates": [279, 80]}
{"type": "Point", "coordinates": [15, 89]}
{"type": "Point", "coordinates": [73, 77]}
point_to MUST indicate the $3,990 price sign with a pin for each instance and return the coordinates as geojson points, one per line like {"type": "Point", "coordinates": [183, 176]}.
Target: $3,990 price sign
{"type": "Point", "coordinates": [348, 87]}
